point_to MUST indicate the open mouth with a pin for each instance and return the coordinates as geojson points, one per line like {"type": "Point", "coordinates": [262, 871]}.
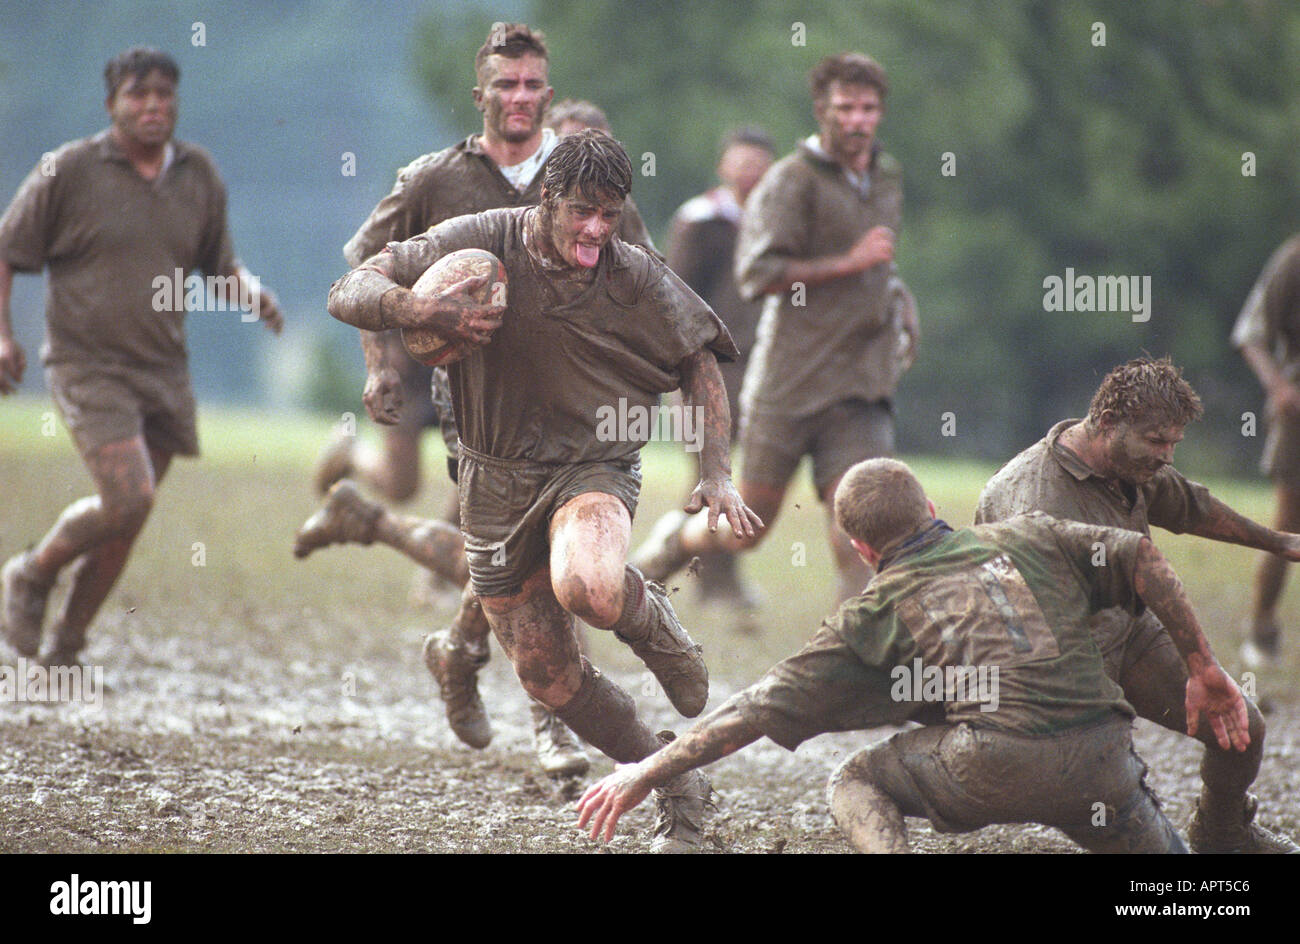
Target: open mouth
{"type": "Point", "coordinates": [588, 255]}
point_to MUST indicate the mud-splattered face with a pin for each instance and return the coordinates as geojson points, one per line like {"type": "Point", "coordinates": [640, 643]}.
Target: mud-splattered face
{"type": "Point", "coordinates": [580, 225]}
{"type": "Point", "coordinates": [848, 116]}
{"type": "Point", "coordinates": [1137, 451]}
{"type": "Point", "coordinates": [513, 95]}
{"type": "Point", "coordinates": [144, 110]}
{"type": "Point", "coordinates": [742, 166]}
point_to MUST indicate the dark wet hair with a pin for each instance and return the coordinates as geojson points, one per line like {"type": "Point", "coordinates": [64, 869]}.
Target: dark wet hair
{"type": "Point", "coordinates": [137, 62]}
{"type": "Point", "coordinates": [579, 110]}
{"type": "Point", "coordinates": [750, 135]}
{"type": "Point", "coordinates": [511, 40]}
{"type": "Point", "coordinates": [1146, 390]}
{"type": "Point", "coordinates": [589, 162]}
{"type": "Point", "coordinates": [851, 68]}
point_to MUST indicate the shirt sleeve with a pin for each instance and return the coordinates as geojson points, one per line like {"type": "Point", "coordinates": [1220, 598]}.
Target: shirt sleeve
{"type": "Point", "coordinates": [691, 323]}
{"type": "Point", "coordinates": [824, 687]}
{"type": "Point", "coordinates": [412, 256]}
{"type": "Point", "coordinates": [1273, 301]}
{"type": "Point", "coordinates": [217, 252]}
{"type": "Point", "coordinates": [394, 218]}
{"type": "Point", "coordinates": [27, 226]}
{"type": "Point", "coordinates": [1175, 503]}
{"type": "Point", "coordinates": [773, 230]}
{"type": "Point", "coordinates": [1105, 559]}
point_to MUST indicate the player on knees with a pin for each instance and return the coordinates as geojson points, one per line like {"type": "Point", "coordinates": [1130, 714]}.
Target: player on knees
{"type": "Point", "coordinates": [990, 625]}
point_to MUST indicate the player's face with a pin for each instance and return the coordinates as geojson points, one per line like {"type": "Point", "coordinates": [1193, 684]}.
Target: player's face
{"type": "Point", "coordinates": [513, 95]}
{"type": "Point", "coordinates": [742, 166]}
{"type": "Point", "coordinates": [1137, 451]}
{"type": "Point", "coordinates": [581, 225]}
{"type": "Point", "coordinates": [144, 110]}
{"type": "Point", "coordinates": [848, 116]}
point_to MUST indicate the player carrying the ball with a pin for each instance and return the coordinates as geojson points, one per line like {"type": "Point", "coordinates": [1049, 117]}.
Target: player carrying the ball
{"type": "Point", "coordinates": [546, 501]}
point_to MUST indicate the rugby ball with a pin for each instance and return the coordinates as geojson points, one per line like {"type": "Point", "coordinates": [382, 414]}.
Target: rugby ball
{"type": "Point", "coordinates": [429, 347]}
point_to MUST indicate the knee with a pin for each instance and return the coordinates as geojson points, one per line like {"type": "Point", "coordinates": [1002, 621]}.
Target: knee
{"type": "Point", "coordinates": [838, 788]}
{"type": "Point", "coordinates": [125, 515]}
{"type": "Point", "coordinates": [552, 685]}
{"type": "Point", "coordinates": [590, 594]}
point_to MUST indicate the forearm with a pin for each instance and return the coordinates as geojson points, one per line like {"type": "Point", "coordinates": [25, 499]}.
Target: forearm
{"type": "Point", "coordinates": [368, 298]}
{"type": "Point", "coordinates": [811, 272]}
{"type": "Point", "coordinates": [718, 734]}
{"type": "Point", "coordinates": [6, 292]}
{"type": "Point", "coordinates": [704, 393]}
{"type": "Point", "coordinates": [1158, 585]}
{"type": "Point", "coordinates": [1263, 366]}
{"type": "Point", "coordinates": [377, 348]}
{"type": "Point", "coordinates": [1221, 523]}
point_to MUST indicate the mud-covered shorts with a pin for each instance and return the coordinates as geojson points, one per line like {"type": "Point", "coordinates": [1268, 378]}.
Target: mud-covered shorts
{"type": "Point", "coordinates": [1086, 781]}
{"type": "Point", "coordinates": [106, 403]}
{"type": "Point", "coordinates": [837, 437]}
{"type": "Point", "coordinates": [506, 507]}
{"type": "Point", "coordinates": [1281, 460]}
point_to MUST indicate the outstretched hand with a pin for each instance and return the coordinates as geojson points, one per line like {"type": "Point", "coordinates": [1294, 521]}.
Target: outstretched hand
{"type": "Point", "coordinates": [12, 364]}
{"type": "Point", "coordinates": [383, 396]}
{"type": "Point", "coordinates": [721, 497]}
{"type": "Point", "coordinates": [608, 799]}
{"type": "Point", "coordinates": [1212, 692]}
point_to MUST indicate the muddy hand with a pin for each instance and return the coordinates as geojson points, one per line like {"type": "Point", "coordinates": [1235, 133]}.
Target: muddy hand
{"type": "Point", "coordinates": [12, 364]}
{"type": "Point", "coordinates": [1211, 691]}
{"type": "Point", "coordinates": [457, 316]}
{"type": "Point", "coordinates": [383, 396]}
{"type": "Point", "coordinates": [607, 800]}
{"type": "Point", "coordinates": [721, 497]}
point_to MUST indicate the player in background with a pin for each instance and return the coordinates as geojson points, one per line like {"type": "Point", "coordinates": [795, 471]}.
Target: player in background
{"type": "Point", "coordinates": [838, 325]}
{"type": "Point", "coordinates": [111, 215]}
{"type": "Point", "coordinates": [1267, 334]}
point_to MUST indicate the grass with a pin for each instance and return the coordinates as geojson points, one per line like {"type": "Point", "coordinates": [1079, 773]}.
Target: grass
{"type": "Point", "coordinates": [216, 549]}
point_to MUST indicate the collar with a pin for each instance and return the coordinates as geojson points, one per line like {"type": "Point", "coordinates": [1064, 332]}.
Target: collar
{"type": "Point", "coordinates": [110, 151]}
{"type": "Point", "coordinates": [919, 541]}
{"type": "Point", "coordinates": [1067, 458]}
{"type": "Point", "coordinates": [812, 148]}
{"type": "Point", "coordinates": [716, 204]}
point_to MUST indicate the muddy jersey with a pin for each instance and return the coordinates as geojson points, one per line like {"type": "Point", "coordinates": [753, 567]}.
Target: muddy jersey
{"type": "Point", "coordinates": [107, 235]}
{"type": "Point", "coordinates": [831, 341]}
{"type": "Point", "coordinates": [574, 370]}
{"type": "Point", "coordinates": [1050, 478]}
{"type": "Point", "coordinates": [1270, 319]}
{"type": "Point", "coordinates": [990, 622]}
{"type": "Point", "coordinates": [453, 182]}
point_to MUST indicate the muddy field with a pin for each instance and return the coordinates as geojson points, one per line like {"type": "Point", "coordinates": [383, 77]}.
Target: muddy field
{"type": "Point", "coordinates": [256, 703]}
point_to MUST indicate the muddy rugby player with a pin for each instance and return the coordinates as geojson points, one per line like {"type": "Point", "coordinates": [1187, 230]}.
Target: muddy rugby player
{"type": "Point", "coordinates": [547, 502]}
{"type": "Point", "coordinates": [818, 240]}
{"type": "Point", "coordinates": [1267, 334]}
{"type": "Point", "coordinates": [1113, 469]}
{"type": "Point", "coordinates": [1049, 743]}
{"type": "Point", "coordinates": [501, 166]}
{"type": "Point", "coordinates": [111, 215]}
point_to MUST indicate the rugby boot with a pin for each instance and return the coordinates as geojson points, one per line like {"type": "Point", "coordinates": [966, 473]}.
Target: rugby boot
{"type": "Point", "coordinates": [667, 651]}
{"type": "Point", "coordinates": [454, 666]}
{"type": "Point", "coordinates": [24, 598]}
{"type": "Point", "coordinates": [335, 462]}
{"type": "Point", "coordinates": [680, 809]}
{"type": "Point", "coordinates": [345, 518]}
{"type": "Point", "coordinates": [1243, 836]}
{"type": "Point", "coordinates": [1261, 648]}
{"type": "Point", "coordinates": [558, 751]}
{"type": "Point", "coordinates": [661, 554]}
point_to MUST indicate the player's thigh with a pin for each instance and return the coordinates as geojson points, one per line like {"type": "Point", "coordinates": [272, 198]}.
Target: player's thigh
{"type": "Point", "coordinates": [845, 434]}
{"type": "Point", "coordinates": [771, 448]}
{"type": "Point", "coordinates": [590, 535]}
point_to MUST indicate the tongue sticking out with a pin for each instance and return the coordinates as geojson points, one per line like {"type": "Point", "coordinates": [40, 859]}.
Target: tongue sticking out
{"type": "Point", "coordinates": [588, 256]}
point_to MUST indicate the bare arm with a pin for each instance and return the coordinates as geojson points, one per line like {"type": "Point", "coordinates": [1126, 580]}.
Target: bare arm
{"type": "Point", "coordinates": [1283, 396]}
{"type": "Point", "coordinates": [1209, 689]}
{"type": "Point", "coordinates": [12, 359]}
{"type": "Point", "coordinates": [705, 395]}
{"type": "Point", "coordinates": [368, 297]}
{"type": "Point", "coordinates": [875, 247]}
{"type": "Point", "coordinates": [383, 394]}
{"type": "Point", "coordinates": [1221, 523]}
{"type": "Point", "coordinates": [715, 736]}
